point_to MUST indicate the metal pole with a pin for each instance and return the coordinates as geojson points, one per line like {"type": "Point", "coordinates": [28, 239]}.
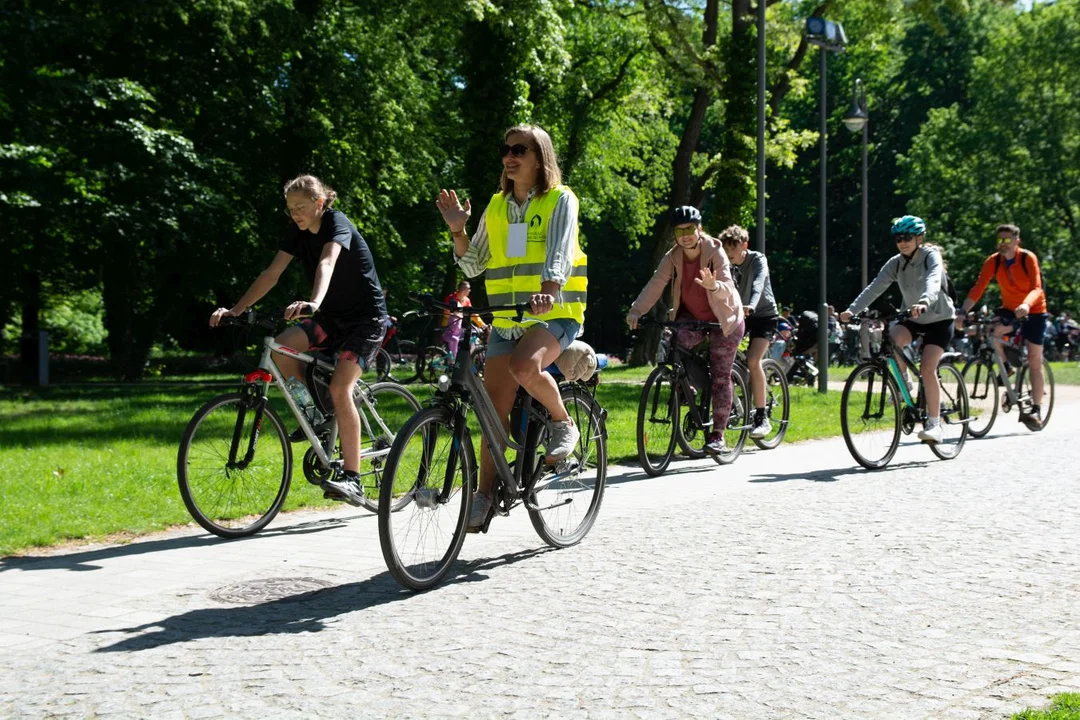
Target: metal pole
{"type": "Point", "coordinates": [865, 208]}
{"type": "Point", "coordinates": [823, 306]}
{"type": "Point", "coordinates": [761, 126]}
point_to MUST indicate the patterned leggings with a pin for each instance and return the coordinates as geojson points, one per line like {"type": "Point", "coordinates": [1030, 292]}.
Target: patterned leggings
{"type": "Point", "coordinates": [722, 349]}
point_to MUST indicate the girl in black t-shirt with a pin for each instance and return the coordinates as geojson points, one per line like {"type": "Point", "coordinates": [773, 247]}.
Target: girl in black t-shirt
{"type": "Point", "coordinates": [347, 308]}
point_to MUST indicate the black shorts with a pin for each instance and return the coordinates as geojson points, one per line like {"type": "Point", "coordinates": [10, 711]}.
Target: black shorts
{"type": "Point", "coordinates": [761, 327]}
{"type": "Point", "coordinates": [938, 333]}
{"type": "Point", "coordinates": [355, 340]}
{"type": "Point", "coordinates": [1033, 327]}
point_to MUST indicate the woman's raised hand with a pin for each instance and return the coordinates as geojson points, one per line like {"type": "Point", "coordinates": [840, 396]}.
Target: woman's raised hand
{"type": "Point", "coordinates": [706, 279]}
{"type": "Point", "coordinates": [452, 211]}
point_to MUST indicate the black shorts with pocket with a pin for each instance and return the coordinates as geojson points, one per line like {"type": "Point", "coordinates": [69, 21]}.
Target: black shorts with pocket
{"type": "Point", "coordinates": [761, 327]}
{"type": "Point", "coordinates": [355, 340]}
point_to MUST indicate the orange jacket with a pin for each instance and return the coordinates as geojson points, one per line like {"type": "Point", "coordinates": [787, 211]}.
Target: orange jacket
{"type": "Point", "coordinates": [1019, 282]}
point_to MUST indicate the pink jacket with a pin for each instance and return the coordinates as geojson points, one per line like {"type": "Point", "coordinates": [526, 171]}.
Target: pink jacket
{"type": "Point", "coordinates": [724, 301]}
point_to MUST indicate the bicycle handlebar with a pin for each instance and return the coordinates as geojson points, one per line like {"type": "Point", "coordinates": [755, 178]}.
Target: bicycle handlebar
{"type": "Point", "coordinates": [429, 300]}
{"type": "Point", "coordinates": [696, 324]}
{"type": "Point", "coordinates": [250, 318]}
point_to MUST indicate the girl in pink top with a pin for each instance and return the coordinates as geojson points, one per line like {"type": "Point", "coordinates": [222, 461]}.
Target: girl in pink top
{"type": "Point", "coordinates": [709, 294]}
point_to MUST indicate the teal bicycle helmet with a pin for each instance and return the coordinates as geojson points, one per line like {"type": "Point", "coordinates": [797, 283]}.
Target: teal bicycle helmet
{"type": "Point", "coordinates": [908, 225]}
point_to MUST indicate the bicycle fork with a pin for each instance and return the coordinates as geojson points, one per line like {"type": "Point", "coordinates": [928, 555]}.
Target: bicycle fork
{"type": "Point", "coordinates": [250, 400]}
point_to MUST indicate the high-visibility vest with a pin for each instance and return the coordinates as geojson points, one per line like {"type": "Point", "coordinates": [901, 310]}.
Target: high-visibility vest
{"type": "Point", "coordinates": [515, 280]}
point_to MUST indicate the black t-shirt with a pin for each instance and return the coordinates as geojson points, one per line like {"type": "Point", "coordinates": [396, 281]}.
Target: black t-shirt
{"type": "Point", "coordinates": [354, 292]}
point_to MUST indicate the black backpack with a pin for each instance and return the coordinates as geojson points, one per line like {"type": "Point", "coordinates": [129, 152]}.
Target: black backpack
{"type": "Point", "coordinates": [1023, 265]}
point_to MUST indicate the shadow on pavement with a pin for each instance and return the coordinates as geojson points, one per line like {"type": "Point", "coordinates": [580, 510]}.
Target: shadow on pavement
{"type": "Point", "coordinates": [82, 561]}
{"type": "Point", "coordinates": [639, 474]}
{"type": "Point", "coordinates": [832, 475]}
{"type": "Point", "coordinates": [301, 613]}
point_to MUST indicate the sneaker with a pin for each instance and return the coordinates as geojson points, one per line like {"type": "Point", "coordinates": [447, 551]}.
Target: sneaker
{"type": "Point", "coordinates": [563, 440]}
{"type": "Point", "coordinates": [1033, 420]}
{"type": "Point", "coordinates": [762, 427]}
{"type": "Point", "coordinates": [932, 434]}
{"type": "Point", "coordinates": [481, 506]}
{"type": "Point", "coordinates": [715, 445]}
{"type": "Point", "coordinates": [346, 485]}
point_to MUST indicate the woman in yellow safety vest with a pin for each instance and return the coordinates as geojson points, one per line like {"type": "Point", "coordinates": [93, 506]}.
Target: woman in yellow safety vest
{"type": "Point", "coordinates": [527, 242]}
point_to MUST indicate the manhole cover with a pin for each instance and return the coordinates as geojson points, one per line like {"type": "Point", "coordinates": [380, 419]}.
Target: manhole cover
{"type": "Point", "coordinates": [267, 589]}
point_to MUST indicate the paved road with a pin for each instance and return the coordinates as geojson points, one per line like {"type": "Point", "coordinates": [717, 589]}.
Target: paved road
{"type": "Point", "coordinates": [789, 584]}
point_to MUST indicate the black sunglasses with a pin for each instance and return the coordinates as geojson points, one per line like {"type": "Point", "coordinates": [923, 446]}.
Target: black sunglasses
{"type": "Point", "coordinates": [517, 150]}
{"type": "Point", "coordinates": [903, 237]}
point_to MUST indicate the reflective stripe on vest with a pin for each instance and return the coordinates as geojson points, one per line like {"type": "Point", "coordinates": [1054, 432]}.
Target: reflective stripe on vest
{"type": "Point", "coordinates": [514, 280]}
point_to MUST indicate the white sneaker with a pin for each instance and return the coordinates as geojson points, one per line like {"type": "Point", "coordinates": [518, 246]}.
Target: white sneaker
{"type": "Point", "coordinates": [348, 488]}
{"type": "Point", "coordinates": [481, 505]}
{"type": "Point", "coordinates": [563, 440]}
{"type": "Point", "coordinates": [932, 434]}
{"type": "Point", "coordinates": [761, 429]}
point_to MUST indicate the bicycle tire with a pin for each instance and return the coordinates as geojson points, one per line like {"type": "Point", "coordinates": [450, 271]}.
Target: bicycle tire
{"type": "Point", "coordinates": [569, 505]}
{"type": "Point", "coordinates": [383, 365]}
{"type": "Point", "coordinates": [777, 396]}
{"type": "Point", "coordinates": [394, 415]}
{"type": "Point", "coordinates": [417, 466]}
{"type": "Point", "coordinates": [1048, 390]}
{"type": "Point", "coordinates": [402, 362]}
{"type": "Point", "coordinates": [738, 419]}
{"type": "Point", "coordinates": [657, 421]}
{"type": "Point", "coordinates": [251, 495]}
{"type": "Point", "coordinates": [686, 431]}
{"type": "Point", "coordinates": [984, 398]}
{"type": "Point", "coordinates": [880, 396]}
{"type": "Point", "coordinates": [954, 412]}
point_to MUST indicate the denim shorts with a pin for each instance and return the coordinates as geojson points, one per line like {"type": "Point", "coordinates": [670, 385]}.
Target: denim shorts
{"type": "Point", "coordinates": [565, 331]}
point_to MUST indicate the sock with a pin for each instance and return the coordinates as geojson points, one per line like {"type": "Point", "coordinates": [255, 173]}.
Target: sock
{"type": "Point", "coordinates": [932, 421]}
{"type": "Point", "coordinates": [759, 414]}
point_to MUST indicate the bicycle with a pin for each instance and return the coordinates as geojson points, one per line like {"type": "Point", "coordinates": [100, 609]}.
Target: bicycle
{"type": "Point", "coordinates": [436, 360]}
{"type": "Point", "coordinates": [777, 398]}
{"type": "Point", "coordinates": [986, 374]}
{"type": "Point", "coordinates": [871, 416]}
{"type": "Point", "coordinates": [235, 460]}
{"type": "Point", "coordinates": [396, 359]}
{"type": "Point", "coordinates": [432, 469]}
{"type": "Point", "coordinates": [682, 380]}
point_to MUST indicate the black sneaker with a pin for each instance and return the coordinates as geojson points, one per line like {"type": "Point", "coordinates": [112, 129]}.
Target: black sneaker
{"type": "Point", "coordinates": [347, 485]}
{"type": "Point", "coordinates": [1033, 420]}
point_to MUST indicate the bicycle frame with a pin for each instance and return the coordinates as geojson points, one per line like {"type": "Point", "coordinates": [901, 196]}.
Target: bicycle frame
{"type": "Point", "coordinates": [268, 365]}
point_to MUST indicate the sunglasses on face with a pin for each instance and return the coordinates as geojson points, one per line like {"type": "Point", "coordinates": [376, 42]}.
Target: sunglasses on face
{"type": "Point", "coordinates": [517, 150]}
{"type": "Point", "coordinates": [903, 237]}
{"type": "Point", "coordinates": [684, 231]}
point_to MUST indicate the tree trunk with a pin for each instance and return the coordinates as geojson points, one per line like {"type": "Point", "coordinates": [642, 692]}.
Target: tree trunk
{"type": "Point", "coordinates": [31, 314]}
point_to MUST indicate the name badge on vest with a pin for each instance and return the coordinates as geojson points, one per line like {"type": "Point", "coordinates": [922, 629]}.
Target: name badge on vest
{"type": "Point", "coordinates": [515, 240]}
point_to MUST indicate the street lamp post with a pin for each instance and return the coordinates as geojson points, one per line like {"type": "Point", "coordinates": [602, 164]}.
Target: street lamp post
{"type": "Point", "coordinates": [761, 127]}
{"type": "Point", "coordinates": [828, 36]}
{"type": "Point", "coordinates": [858, 118]}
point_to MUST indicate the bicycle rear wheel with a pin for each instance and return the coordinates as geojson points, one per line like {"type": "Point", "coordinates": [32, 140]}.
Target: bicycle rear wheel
{"type": "Point", "coordinates": [401, 362]}
{"type": "Point", "coordinates": [980, 379]}
{"type": "Point", "coordinates": [777, 404]}
{"type": "Point", "coordinates": [954, 412]}
{"type": "Point", "coordinates": [870, 416]}
{"type": "Point", "coordinates": [1048, 389]}
{"type": "Point", "coordinates": [382, 365]}
{"type": "Point", "coordinates": [568, 501]}
{"type": "Point", "coordinates": [657, 421]}
{"type": "Point", "coordinates": [236, 499]}
{"type": "Point", "coordinates": [432, 362]}
{"type": "Point", "coordinates": [738, 425]}
{"type": "Point", "coordinates": [437, 476]}
{"type": "Point", "coordinates": [394, 405]}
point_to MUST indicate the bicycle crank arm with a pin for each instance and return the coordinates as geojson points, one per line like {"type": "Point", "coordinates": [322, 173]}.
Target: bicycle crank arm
{"type": "Point", "coordinates": [537, 508]}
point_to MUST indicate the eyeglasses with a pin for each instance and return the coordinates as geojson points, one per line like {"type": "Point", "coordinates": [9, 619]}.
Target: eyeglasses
{"type": "Point", "coordinates": [903, 237]}
{"type": "Point", "coordinates": [517, 150]}
{"type": "Point", "coordinates": [294, 211]}
{"type": "Point", "coordinates": [684, 231]}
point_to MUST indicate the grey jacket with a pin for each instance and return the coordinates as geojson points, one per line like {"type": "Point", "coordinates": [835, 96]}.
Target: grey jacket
{"type": "Point", "coordinates": [921, 280]}
{"type": "Point", "coordinates": [755, 286]}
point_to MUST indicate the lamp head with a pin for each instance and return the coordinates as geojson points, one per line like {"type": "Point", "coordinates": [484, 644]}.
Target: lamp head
{"type": "Point", "coordinates": [825, 33]}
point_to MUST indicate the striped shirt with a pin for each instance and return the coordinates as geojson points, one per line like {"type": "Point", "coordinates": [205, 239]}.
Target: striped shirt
{"type": "Point", "coordinates": [560, 246]}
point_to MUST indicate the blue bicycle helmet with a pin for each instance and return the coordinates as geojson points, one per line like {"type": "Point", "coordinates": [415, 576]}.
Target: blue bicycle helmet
{"type": "Point", "coordinates": [686, 214]}
{"type": "Point", "coordinates": [908, 225]}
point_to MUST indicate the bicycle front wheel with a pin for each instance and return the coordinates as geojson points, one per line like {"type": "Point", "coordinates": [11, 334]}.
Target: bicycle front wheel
{"type": "Point", "coordinates": [980, 379]}
{"type": "Point", "coordinates": [1048, 389]}
{"type": "Point", "coordinates": [657, 420]}
{"type": "Point", "coordinates": [234, 498]}
{"type": "Point", "coordinates": [738, 425]}
{"type": "Point", "coordinates": [435, 475]}
{"type": "Point", "coordinates": [870, 417]}
{"type": "Point", "coordinates": [393, 406]}
{"type": "Point", "coordinates": [566, 499]}
{"type": "Point", "coordinates": [954, 412]}
{"type": "Point", "coordinates": [777, 404]}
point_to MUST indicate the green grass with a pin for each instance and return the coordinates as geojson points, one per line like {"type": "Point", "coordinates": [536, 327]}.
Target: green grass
{"type": "Point", "coordinates": [1065, 706]}
{"type": "Point", "coordinates": [94, 461]}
